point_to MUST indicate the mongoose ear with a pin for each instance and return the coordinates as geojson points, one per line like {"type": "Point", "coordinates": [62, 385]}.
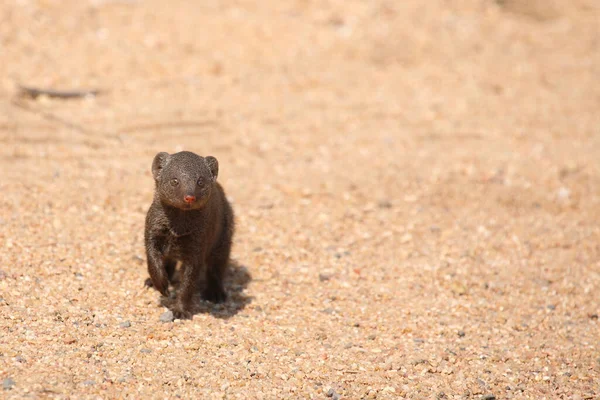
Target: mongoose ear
{"type": "Point", "coordinates": [213, 165]}
{"type": "Point", "coordinates": [160, 160]}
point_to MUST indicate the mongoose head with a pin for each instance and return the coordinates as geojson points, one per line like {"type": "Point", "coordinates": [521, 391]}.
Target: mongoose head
{"type": "Point", "coordinates": [184, 180]}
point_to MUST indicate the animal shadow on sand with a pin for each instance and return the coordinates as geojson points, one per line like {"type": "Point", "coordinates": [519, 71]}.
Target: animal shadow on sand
{"type": "Point", "coordinates": [237, 278]}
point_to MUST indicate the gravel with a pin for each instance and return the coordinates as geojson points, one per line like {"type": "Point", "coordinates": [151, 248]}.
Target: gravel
{"type": "Point", "coordinates": [388, 181]}
{"type": "Point", "coordinates": [8, 383]}
{"type": "Point", "coordinates": [167, 316]}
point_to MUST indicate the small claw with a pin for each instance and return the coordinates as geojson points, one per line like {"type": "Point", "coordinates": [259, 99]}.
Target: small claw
{"type": "Point", "coordinates": [148, 283]}
{"type": "Point", "coordinates": [163, 288]}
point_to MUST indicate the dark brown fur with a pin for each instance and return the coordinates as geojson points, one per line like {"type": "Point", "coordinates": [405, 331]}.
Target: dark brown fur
{"type": "Point", "coordinates": [197, 234]}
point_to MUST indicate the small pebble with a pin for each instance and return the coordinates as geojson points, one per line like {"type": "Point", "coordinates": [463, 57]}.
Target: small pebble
{"type": "Point", "coordinates": [167, 316]}
{"type": "Point", "coordinates": [593, 316]}
{"type": "Point", "coordinates": [125, 324]}
{"type": "Point", "coordinates": [384, 204]}
{"type": "Point", "coordinates": [8, 383]}
{"type": "Point", "coordinates": [89, 382]}
{"type": "Point", "coordinates": [20, 359]}
{"type": "Point", "coordinates": [461, 333]}
{"type": "Point", "coordinates": [332, 393]}
{"type": "Point", "coordinates": [371, 337]}
{"type": "Point", "coordinates": [145, 351]}
{"type": "Point", "coordinates": [488, 397]}
{"type": "Point", "coordinates": [563, 193]}
{"type": "Point", "coordinates": [324, 277]}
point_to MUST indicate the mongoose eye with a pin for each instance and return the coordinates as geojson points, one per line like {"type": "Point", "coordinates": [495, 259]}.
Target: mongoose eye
{"type": "Point", "coordinates": [200, 182]}
{"type": "Point", "coordinates": [174, 182]}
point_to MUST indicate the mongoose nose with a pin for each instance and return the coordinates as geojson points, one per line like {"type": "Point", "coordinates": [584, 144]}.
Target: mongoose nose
{"type": "Point", "coordinates": [189, 199]}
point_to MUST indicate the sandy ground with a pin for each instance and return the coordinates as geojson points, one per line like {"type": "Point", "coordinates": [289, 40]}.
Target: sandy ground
{"type": "Point", "coordinates": [416, 187]}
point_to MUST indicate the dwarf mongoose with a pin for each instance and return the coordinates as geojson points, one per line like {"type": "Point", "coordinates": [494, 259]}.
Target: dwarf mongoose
{"type": "Point", "coordinates": [190, 220]}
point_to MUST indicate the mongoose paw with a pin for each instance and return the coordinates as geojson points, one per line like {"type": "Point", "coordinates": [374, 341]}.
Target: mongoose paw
{"type": "Point", "coordinates": [180, 312]}
{"type": "Point", "coordinates": [215, 295]}
{"type": "Point", "coordinates": [162, 287]}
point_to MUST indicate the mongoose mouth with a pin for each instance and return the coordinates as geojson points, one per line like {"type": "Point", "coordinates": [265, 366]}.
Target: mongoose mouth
{"type": "Point", "coordinates": [192, 205]}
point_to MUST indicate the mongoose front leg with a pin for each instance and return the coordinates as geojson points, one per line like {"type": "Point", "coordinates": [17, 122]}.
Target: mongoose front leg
{"type": "Point", "coordinates": [217, 265]}
{"type": "Point", "coordinates": [170, 268]}
{"type": "Point", "coordinates": [187, 288]}
{"type": "Point", "coordinates": [156, 269]}
{"type": "Point", "coordinates": [215, 290]}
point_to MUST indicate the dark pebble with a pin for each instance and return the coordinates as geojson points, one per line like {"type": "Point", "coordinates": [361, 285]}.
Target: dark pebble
{"type": "Point", "coordinates": [20, 359]}
{"type": "Point", "coordinates": [488, 397]}
{"type": "Point", "coordinates": [78, 275]}
{"type": "Point", "coordinates": [551, 307]}
{"type": "Point", "coordinates": [461, 333]}
{"type": "Point", "coordinates": [593, 316]}
{"type": "Point", "coordinates": [384, 204]}
{"type": "Point", "coordinates": [371, 337]}
{"type": "Point", "coordinates": [356, 325]}
{"type": "Point", "coordinates": [167, 316]}
{"type": "Point", "coordinates": [8, 383]}
{"type": "Point", "coordinates": [324, 277]}
{"type": "Point", "coordinates": [125, 324]}
{"type": "Point", "coordinates": [340, 255]}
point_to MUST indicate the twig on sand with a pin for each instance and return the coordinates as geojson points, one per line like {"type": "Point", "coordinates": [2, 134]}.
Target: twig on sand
{"type": "Point", "coordinates": [49, 116]}
{"type": "Point", "coordinates": [33, 92]}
